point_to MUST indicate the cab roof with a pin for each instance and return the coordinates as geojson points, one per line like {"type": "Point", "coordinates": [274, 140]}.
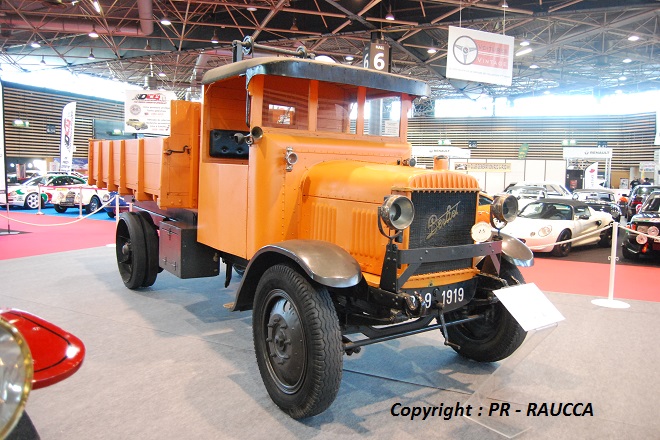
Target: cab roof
{"type": "Point", "coordinates": [320, 70]}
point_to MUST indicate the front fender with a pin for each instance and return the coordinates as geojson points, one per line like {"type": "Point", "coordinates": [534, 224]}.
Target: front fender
{"type": "Point", "coordinates": [516, 251]}
{"type": "Point", "coordinates": [323, 262]}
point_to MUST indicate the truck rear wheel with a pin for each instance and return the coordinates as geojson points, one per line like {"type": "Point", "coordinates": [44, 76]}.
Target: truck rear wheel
{"type": "Point", "coordinates": [131, 250]}
{"type": "Point", "coordinates": [297, 342]}
{"type": "Point", "coordinates": [495, 336]}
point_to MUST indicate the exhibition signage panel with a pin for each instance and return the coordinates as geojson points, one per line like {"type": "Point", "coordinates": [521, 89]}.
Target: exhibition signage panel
{"type": "Point", "coordinates": [66, 142]}
{"type": "Point", "coordinates": [3, 170]}
{"type": "Point", "coordinates": [487, 167]}
{"type": "Point", "coordinates": [450, 152]}
{"type": "Point", "coordinates": [529, 306]}
{"type": "Point", "coordinates": [480, 56]}
{"type": "Point", "coordinates": [591, 176]}
{"type": "Point", "coordinates": [148, 112]}
{"type": "Point", "coordinates": [587, 153]}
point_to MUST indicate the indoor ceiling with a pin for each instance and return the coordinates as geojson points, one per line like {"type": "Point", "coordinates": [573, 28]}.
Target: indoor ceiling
{"type": "Point", "coordinates": [578, 46]}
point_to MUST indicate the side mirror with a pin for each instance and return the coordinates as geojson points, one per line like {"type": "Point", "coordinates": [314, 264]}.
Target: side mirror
{"type": "Point", "coordinates": [584, 217]}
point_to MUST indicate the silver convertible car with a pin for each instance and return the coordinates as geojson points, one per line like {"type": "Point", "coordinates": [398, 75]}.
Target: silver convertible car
{"type": "Point", "coordinates": [544, 223]}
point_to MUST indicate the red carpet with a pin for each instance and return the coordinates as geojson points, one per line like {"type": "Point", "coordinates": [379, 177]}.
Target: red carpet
{"type": "Point", "coordinates": [47, 234]}
{"type": "Point", "coordinates": [630, 282]}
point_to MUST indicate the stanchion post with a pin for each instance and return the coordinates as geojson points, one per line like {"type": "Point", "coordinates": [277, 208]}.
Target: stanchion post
{"type": "Point", "coordinates": [80, 204]}
{"type": "Point", "coordinates": [610, 301]}
{"type": "Point", "coordinates": [117, 208]}
{"type": "Point", "coordinates": [39, 205]}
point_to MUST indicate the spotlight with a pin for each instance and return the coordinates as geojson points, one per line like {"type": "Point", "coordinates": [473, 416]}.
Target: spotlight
{"type": "Point", "coordinates": [91, 55]}
{"type": "Point", "coordinates": [503, 4]}
{"type": "Point", "coordinates": [214, 38]}
{"type": "Point", "coordinates": [165, 21]}
{"type": "Point", "coordinates": [389, 16]}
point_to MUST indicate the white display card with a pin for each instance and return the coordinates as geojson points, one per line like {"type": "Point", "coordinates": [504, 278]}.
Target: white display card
{"type": "Point", "coordinates": [529, 306]}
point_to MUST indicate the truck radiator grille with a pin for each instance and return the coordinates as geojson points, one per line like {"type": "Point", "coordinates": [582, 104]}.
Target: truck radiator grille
{"type": "Point", "coordinates": [442, 218]}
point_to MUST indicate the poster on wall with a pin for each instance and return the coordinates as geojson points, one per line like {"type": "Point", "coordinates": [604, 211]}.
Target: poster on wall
{"type": "Point", "coordinates": [480, 56]}
{"type": "Point", "coordinates": [148, 112]}
{"type": "Point", "coordinates": [66, 142]}
{"type": "Point", "coordinates": [3, 170]}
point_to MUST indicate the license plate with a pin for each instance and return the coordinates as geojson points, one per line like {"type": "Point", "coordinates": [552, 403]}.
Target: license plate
{"type": "Point", "coordinates": [449, 297]}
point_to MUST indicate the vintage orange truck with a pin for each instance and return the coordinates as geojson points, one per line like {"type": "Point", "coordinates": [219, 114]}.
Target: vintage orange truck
{"type": "Point", "coordinates": [297, 173]}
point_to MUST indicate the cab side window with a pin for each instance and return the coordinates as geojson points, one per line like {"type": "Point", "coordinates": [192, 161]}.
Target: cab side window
{"type": "Point", "coordinates": [581, 210]}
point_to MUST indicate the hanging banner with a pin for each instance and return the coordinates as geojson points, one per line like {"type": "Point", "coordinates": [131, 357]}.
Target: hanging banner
{"type": "Point", "coordinates": [3, 169]}
{"type": "Point", "coordinates": [586, 153]}
{"type": "Point", "coordinates": [480, 56]}
{"type": "Point", "coordinates": [148, 112]}
{"type": "Point", "coordinates": [66, 143]}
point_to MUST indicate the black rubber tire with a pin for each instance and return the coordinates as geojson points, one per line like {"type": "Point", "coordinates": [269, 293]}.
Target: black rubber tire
{"type": "Point", "coordinates": [131, 250]}
{"type": "Point", "coordinates": [606, 240]}
{"type": "Point", "coordinates": [32, 201]}
{"type": "Point", "coordinates": [111, 214]}
{"type": "Point", "coordinates": [59, 208]}
{"type": "Point", "coordinates": [628, 255]}
{"type": "Point", "coordinates": [151, 243]}
{"type": "Point", "coordinates": [93, 206]}
{"type": "Point", "coordinates": [297, 342]}
{"type": "Point", "coordinates": [496, 336]}
{"type": "Point", "coordinates": [562, 250]}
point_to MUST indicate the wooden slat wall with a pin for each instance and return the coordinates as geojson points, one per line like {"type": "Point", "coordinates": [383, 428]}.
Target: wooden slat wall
{"type": "Point", "coordinates": [630, 136]}
{"type": "Point", "coordinates": [42, 107]}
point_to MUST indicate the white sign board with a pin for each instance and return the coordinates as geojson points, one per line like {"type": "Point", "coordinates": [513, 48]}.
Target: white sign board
{"type": "Point", "coordinates": [591, 176]}
{"type": "Point", "coordinates": [147, 112]}
{"type": "Point", "coordinates": [480, 56]}
{"type": "Point", "coordinates": [67, 146]}
{"type": "Point", "coordinates": [529, 306]}
{"type": "Point", "coordinates": [450, 152]}
{"type": "Point", "coordinates": [587, 153]}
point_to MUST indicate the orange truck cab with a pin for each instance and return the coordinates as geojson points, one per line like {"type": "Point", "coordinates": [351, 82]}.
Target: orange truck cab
{"type": "Point", "coordinates": [298, 175]}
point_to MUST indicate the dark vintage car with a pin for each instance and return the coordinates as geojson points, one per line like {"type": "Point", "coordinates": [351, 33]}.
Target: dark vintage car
{"type": "Point", "coordinates": [646, 222]}
{"type": "Point", "coordinates": [636, 198]}
{"type": "Point", "coordinates": [110, 204]}
{"type": "Point", "coordinates": [604, 200]}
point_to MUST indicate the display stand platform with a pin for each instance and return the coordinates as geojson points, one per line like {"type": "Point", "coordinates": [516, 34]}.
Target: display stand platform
{"type": "Point", "coordinates": [492, 405]}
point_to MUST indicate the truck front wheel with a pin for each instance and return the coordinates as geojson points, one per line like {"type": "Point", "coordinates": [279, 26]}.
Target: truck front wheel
{"type": "Point", "coordinates": [497, 334]}
{"type": "Point", "coordinates": [297, 341]}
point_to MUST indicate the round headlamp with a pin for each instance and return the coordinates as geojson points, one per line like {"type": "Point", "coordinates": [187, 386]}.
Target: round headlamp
{"type": "Point", "coordinates": [653, 231]}
{"type": "Point", "coordinates": [504, 209]}
{"type": "Point", "coordinates": [16, 373]}
{"type": "Point", "coordinates": [397, 212]}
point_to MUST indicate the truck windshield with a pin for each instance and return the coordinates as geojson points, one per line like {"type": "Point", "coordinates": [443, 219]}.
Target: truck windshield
{"type": "Point", "coordinates": [286, 104]}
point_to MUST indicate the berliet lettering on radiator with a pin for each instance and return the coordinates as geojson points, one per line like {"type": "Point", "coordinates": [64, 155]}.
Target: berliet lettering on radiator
{"type": "Point", "coordinates": [436, 223]}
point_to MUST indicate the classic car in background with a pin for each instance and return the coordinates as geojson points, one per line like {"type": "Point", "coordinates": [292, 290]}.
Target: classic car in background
{"type": "Point", "coordinates": [110, 205]}
{"type": "Point", "coordinates": [27, 194]}
{"type": "Point", "coordinates": [636, 197]}
{"type": "Point", "coordinates": [526, 194]}
{"type": "Point", "coordinates": [544, 223]}
{"type": "Point", "coordinates": [35, 354]}
{"type": "Point", "coordinates": [605, 200]}
{"type": "Point", "coordinates": [647, 221]}
{"type": "Point", "coordinates": [552, 189]}
{"type": "Point", "coordinates": [72, 197]}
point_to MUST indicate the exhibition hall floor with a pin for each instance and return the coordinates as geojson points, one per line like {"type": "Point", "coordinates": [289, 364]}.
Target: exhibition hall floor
{"type": "Point", "coordinates": [171, 362]}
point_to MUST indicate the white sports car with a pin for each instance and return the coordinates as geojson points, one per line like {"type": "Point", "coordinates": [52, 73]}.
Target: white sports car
{"type": "Point", "coordinates": [543, 223]}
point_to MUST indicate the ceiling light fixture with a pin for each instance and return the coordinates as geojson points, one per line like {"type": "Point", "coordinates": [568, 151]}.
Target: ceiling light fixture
{"type": "Point", "coordinates": [97, 6]}
{"type": "Point", "coordinates": [250, 7]}
{"type": "Point", "coordinates": [622, 78]}
{"type": "Point", "coordinates": [214, 38]}
{"type": "Point", "coordinates": [534, 66]}
{"type": "Point", "coordinates": [42, 60]}
{"type": "Point", "coordinates": [524, 51]}
{"type": "Point", "coordinates": [294, 25]}
{"type": "Point", "coordinates": [165, 21]}
{"type": "Point", "coordinates": [503, 4]}
{"type": "Point", "coordinates": [524, 43]}
{"type": "Point", "coordinates": [35, 44]}
{"type": "Point", "coordinates": [389, 16]}
{"type": "Point", "coordinates": [147, 46]}
{"type": "Point", "coordinates": [633, 38]}
{"type": "Point", "coordinates": [349, 58]}
{"type": "Point", "coordinates": [432, 49]}
{"type": "Point", "coordinates": [91, 55]}
{"type": "Point", "coordinates": [627, 60]}
{"type": "Point", "coordinates": [93, 33]}
{"type": "Point", "coordinates": [162, 74]}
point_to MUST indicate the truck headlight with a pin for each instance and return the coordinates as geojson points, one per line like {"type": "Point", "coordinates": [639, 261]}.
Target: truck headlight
{"type": "Point", "coordinates": [504, 209]}
{"type": "Point", "coordinates": [397, 212]}
{"type": "Point", "coordinates": [16, 372]}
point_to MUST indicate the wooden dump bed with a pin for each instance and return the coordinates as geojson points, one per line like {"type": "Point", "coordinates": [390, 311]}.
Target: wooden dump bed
{"type": "Point", "coordinates": [165, 169]}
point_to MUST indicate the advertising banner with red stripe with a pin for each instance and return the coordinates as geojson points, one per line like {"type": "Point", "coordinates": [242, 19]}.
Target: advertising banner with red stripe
{"type": "Point", "coordinates": [3, 170]}
{"type": "Point", "coordinates": [480, 56]}
{"type": "Point", "coordinates": [66, 143]}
